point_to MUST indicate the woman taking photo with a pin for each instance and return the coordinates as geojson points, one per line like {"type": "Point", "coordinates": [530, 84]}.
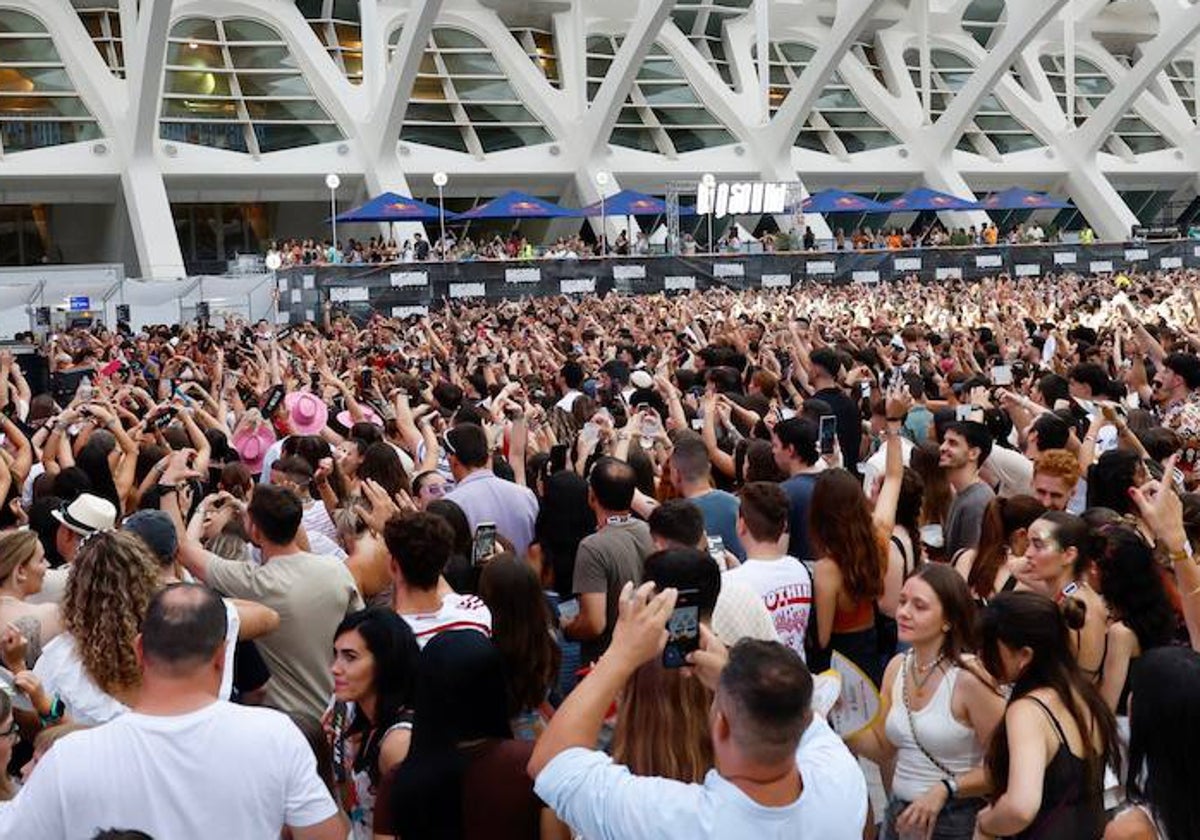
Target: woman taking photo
{"type": "Point", "coordinates": [851, 544]}
{"type": "Point", "coordinates": [938, 711]}
{"type": "Point", "coordinates": [1003, 541]}
{"type": "Point", "coordinates": [1164, 736]}
{"type": "Point", "coordinates": [1047, 758]}
{"type": "Point", "coordinates": [1056, 565]}
{"type": "Point", "coordinates": [370, 725]}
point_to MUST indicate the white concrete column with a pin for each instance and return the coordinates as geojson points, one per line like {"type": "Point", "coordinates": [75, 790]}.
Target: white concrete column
{"type": "Point", "coordinates": [150, 218]}
{"type": "Point", "coordinates": [1099, 202]}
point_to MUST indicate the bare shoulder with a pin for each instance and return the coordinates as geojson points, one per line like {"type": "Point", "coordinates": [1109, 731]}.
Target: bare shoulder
{"type": "Point", "coordinates": [1131, 824]}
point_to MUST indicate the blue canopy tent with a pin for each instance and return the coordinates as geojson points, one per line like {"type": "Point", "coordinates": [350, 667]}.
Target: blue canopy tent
{"type": "Point", "coordinates": [391, 207]}
{"type": "Point", "coordinates": [921, 199]}
{"type": "Point", "coordinates": [519, 205]}
{"type": "Point", "coordinates": [629, 203]}
{"type": "Point", "coordinates": [1017, 198]}
{"type": "Point", "coordinates": [840, 201]}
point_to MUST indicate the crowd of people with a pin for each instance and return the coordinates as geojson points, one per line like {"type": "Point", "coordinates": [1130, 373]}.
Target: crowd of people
{"type": "Point", "coordinates": [563, 567]}
{"type": "Point", "coordinates": [453, 248]}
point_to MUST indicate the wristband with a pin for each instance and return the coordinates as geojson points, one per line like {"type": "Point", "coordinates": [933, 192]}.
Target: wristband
{"type": "Point", "coordinates": [951, 787]}
{"type": "Point", "coordinates": [168, 488]}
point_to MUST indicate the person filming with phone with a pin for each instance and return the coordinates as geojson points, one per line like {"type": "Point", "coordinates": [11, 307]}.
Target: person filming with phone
{"type": "Point", "coordinates": [778, 769]}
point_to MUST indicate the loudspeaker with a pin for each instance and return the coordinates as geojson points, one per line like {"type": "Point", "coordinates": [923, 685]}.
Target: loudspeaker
{"type": "Point", "coordinates": [42, 316]}
{"type": "Point", "coordinates": [123, 313]}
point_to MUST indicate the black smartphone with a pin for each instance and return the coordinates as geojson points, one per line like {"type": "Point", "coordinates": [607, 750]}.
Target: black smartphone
{"type": "Point", "coordinates": [683, 629]}
{"type": "Point", "coordinates": [163, 420]}
{"type": "Point", "coordinates": [828, 434]}
{"type": "Point", "coordinates": [366, 379]}
{"type": "Point", "coordinates": [484, 543]}
{"type": "Point", "coordinates": [272, 400]}
{"type": "Point", "coordinates": [314, 381]}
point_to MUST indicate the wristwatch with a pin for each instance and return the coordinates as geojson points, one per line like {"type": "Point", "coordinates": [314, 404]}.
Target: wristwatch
{"type": "Point", "coordinates": [951, 785]}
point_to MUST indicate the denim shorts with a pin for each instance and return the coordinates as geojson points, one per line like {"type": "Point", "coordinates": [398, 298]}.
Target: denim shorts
{"type": "Point", "coordinates": [956, 820]}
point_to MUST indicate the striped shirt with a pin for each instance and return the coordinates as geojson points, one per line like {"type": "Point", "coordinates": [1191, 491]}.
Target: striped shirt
{"type": "Point", "coordinates": [458, 612]}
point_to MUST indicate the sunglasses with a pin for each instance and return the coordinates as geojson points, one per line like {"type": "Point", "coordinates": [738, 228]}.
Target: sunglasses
{"type": "Point", "coordinates": [12, 731]}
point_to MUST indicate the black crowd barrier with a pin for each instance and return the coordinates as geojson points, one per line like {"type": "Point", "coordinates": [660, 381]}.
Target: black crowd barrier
{"type": "Point", "coordinates": [404, 289]}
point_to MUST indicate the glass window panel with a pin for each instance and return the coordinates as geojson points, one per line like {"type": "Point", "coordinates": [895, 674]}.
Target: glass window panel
{"type": "Point", "coordinates": [346, 10]}
{"type": "Point", "coordinates": [267, 58]}
{"type": "Point", "coordinates": [600, 46]}
{"type": "Point", "coordinates": [692, 139]}
{"type": "Point", "coordinates": [274, 138]}
{"type": "Point", "coordinates": [427, 89]}
{"type": "Point", "coordinates": [200, 83]}
{"type": "Point", "coordinates": [996, 122]}
{"type": "Point", "coordinates": [311, 9]}
{"type": "Point", "coordinates": [456, 39]}
{"type": "Point", "coordinates": [199, 29]}
{"type": "Point", "coordinates": [499, 114]}
{"type": "Point", "coordinates": [19, 50]}
{"type": "Point", "coordinates": [249, 30]}
{"type": "Point", "coordinates": [442, 138]}
{"type": "Point", "coordinates": [864, 141]}
{"type": "Point", "coordinates": [797, 53]}
{"type": "Point", "coordinates": [669, 95]}
{"type": "Point", "coordinates": [14, 21]}
{"type": "Point", "coordinates": [231, 137]}
{"type": "Point", "coordinates": [658, 69]}
{"type": "Point", "coordinates": [1009, 143]}
{"type": "Point", "coordinates": [295, 110]}
{"type": "Point", "coordinates": [684, 116]}
{"type": "Point", "coordinates": [685, 20]}
{"type": "Point", "coordinates": [29, 134]}
{"type": "Point", "coordinates": [273, 84]}
{"type": "Point", "coordinates": [348, 35]}
{"type": "Point", "coordinates": [641, 139]}
{"type": "Point", "coordinates": [1092, 85]}
{"type": "Point", "coordinates": [471, 64]}
{"type": "Point", "coordinates": [27, 80]}
{"type": "Point", "coordinates": [497, 139]}
{"type": "Point", "coordinates": [1142, 145]}
{"type": "Point", "coordinates": [201, 109]}
{"type": "Point", "coordinates": [28, 107]}
{"type": "Point", "coordinates": [630, 116]}
{"type": "Point", "coordinates": [810, 139]}
{"type": "Point", "coordinates": [597, 68]}
{"type": "Point", "coordinates": [485, 90]}
{"type": "Point", "coordinates": [837, 99]}
{"type": "Point", "coordinates": [849, 119]}
{"type": "Point", "coordinates": [194, 54]}
{"type": "Point", "coordinates": [946, 60]}
{"type": "Point", "coordinates": [954, 81]}
{"type": "Point", "coordinates": [353, 62]}
{"type": "Point", "coordinates": [1133, 125]}
{"type": "Point", "coordinates": [421, 112]}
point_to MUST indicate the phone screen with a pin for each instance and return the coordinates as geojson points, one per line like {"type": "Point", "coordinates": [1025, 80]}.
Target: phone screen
{"type": "Point", "coordinates": [1002, 375]}
{"type": "Point", "coordinates": [683, 629]}
{"type": "Point", "coordinates": [273, 399]}
{"type": "Point", "coordinates": [828, 434]}
{"type": "Point", "coordinates": [716, 548]}
{"type": "Point", "coordinates": [484, 545]}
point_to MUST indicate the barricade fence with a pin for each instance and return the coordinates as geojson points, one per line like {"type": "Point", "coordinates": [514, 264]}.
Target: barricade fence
{"type": "Point", "coordinates": [400, 290]}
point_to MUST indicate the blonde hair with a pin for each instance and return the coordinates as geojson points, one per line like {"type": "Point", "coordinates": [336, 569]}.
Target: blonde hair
{"type": "Point", "coordinates": [662, 725]}
{"type": "Point", "coordinates": [16, 549]}
{"type": "Point", "coordinates": [110, 586]}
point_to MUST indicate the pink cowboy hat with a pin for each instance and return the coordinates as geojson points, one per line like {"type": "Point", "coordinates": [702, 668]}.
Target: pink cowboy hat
{"type": "Point", "coordinates": [307, 413]}
{"type": "Point", "coordinates": [252, 446]}
{"type": "Point", "coordinates": [369, 416]}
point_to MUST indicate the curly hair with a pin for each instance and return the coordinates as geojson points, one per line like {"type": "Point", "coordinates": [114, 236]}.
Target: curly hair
{"type": "Point", "coordinates": [840, 527]}
{"type": "Point", "coordinates": [110, 586]}
{"type": "Point", "coordinates": [1133, 588]}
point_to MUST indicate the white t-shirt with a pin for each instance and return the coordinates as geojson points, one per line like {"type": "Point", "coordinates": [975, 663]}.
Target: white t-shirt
{"type": "Point", "coordinates": [601, 800]}
{"type": "Point", "coordinates": [786, 588]}
{"type": "Point", "coordinates": [222, 771]}
{"type": "Point", "coordinates": [62, 673]}
{"type": "Point", "coordinates": [458, 612]}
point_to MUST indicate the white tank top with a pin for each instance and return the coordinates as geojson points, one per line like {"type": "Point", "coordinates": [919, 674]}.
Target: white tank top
{"type": "Point", "coordinates": [949, 741]}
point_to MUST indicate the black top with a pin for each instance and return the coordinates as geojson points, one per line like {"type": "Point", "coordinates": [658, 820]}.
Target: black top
{"type": "Point", "coordinates": [849, 424]}
{"type": "Point", "coordinates": [1069, 808]}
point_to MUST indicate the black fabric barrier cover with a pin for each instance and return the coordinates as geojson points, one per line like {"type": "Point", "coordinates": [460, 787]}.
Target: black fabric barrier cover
{"type": "Point", "coordinates": [400, 290]}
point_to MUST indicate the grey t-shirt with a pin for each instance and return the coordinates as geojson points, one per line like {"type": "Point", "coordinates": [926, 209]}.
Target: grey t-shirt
{"type": "Point", "coordinates": [966, 517]}
{"type": "Point", "coordinates": [605, 562]}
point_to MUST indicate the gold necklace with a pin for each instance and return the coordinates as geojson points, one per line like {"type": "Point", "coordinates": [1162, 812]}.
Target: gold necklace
{"type": "Point", "coordinates": [918, 680]}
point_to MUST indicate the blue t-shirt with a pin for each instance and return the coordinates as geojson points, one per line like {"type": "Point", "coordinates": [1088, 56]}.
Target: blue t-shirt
{"type": "Point", "coordinates": [799, 489]}
{"type": "Point", "coordinates": [720, 511]}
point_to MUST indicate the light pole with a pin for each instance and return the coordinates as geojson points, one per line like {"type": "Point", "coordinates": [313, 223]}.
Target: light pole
{"type": "Point", "coordinates": [440, 180]}
{"type": "Point", "coordinates": [332, 181]}
{"type": "Point", "coordinates": [709, 180]}
{"type": "Point", "coordinates": [602, 180]}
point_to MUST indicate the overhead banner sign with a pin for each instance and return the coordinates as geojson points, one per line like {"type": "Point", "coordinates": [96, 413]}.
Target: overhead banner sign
{"type": "Point", "coordinates": [741, 199]}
